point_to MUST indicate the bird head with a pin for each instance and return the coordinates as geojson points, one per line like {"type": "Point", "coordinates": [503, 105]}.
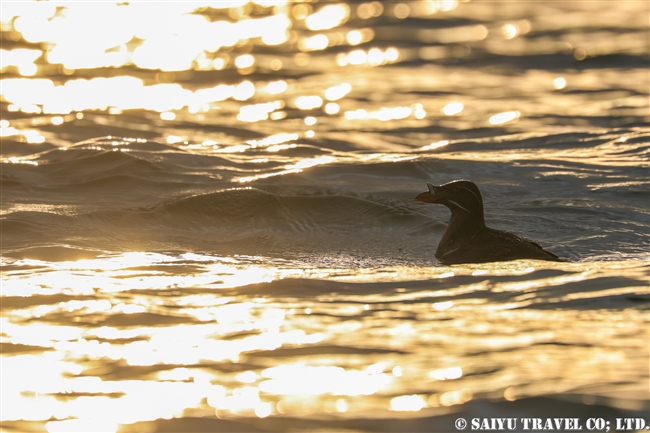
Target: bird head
{"type": "Point", "coordinates": [460, 196]}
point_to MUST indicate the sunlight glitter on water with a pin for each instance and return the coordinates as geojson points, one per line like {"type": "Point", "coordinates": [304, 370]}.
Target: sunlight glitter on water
{"type": "Point", "coordinates": [181, 39]}
{"type": "Point", "coordinates": [172, 42]}
{"type": "Point", "coordinates": [135, 270]}
{"type": "Point", "coordinates": [121, 93]}
{"type": "Point", "coordinates": [142, 345]}
{"type": "Point", "coordinates": [331, 114]}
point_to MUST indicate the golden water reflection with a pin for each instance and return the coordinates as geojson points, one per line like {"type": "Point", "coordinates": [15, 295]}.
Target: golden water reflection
{"type": "Point", "coordinates": [122, 93]}
{"type": "Point", "coordinates": [112, 340]}
{"type": "Point", "coordinates": [250, 62]}
{"type": "Point", "coordinates": [184, 37]}
{"type": "Point", "coordinates": [93, 344]}
{"type": "Point", "coordinates": [174, 41]}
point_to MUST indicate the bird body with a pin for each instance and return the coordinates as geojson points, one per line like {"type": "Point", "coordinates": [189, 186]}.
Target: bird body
{"type": "Point", "coordinates": [467, 239]}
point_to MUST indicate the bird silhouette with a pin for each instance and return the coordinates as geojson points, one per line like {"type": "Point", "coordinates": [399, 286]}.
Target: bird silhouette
{"type": "Point", "coordinates": [467, 239]}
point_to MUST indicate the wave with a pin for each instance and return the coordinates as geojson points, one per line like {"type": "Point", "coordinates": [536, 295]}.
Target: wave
{"type": "Point", "coordinates": [129, 193]}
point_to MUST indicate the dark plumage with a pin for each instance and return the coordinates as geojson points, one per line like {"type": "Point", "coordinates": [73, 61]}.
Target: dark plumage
{"type": "Point", "coordinates": [467, 238]}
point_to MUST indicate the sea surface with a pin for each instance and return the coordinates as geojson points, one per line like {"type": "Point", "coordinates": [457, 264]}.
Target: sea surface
{"type": "Point", "coordinates": [208, 219]}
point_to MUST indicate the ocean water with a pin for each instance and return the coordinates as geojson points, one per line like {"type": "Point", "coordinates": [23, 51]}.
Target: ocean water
{"type": "Point", "coordinates": [208, 218]}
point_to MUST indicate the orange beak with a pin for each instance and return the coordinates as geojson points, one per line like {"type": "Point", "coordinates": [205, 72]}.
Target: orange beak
{"type": "Point", "coordinates": [429, 196]}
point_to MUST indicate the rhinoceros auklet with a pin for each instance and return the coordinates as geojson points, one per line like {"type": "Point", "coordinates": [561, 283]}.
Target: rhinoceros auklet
{"type": "Point", "coordinates": [467, 238]}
